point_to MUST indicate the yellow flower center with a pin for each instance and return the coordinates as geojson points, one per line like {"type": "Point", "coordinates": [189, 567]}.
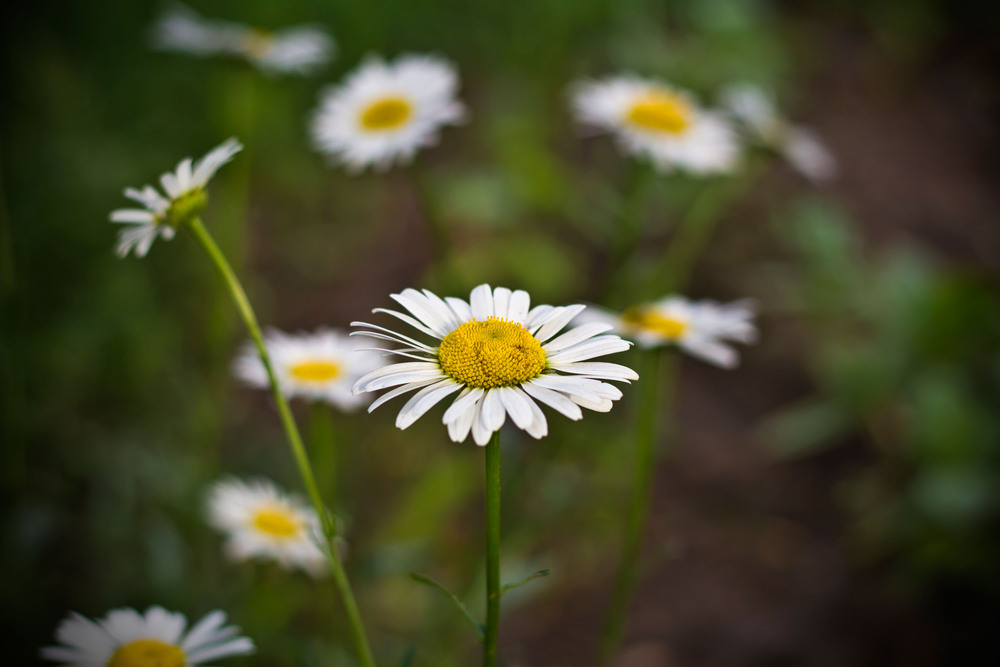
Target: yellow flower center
{"type": "Point", "coordinates": [148, 653]}
{"type": "Point", "coordinates": [494, 353]}
{"type": "Point", "coordinates": [661, 111]}
{"type": "Point", "coordinates": [315, 371]}
{"type": "Point", "coordinates": [277, 522]}
{"type": "Point", "coordinates": [386, 114]}
{"type": "Point", "coordinates": [257, 42]}
{"type": "Point", "coordinates": [650, 320]}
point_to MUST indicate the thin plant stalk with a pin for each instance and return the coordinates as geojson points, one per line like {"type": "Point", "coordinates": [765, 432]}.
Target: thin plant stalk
{"type": "Point", "coordinates": [655, 396]}
{"type": "Point", "coordinates": [294, 440]}
{"type": "Point", "coordinates": [493, 591]}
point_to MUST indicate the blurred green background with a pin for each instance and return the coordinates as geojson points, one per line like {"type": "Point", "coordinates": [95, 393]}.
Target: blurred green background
{"type": "Point", "coordinates": [835, 501]}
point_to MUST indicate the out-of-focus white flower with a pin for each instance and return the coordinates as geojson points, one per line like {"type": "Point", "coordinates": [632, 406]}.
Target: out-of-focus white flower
{"type": "Point", "coordinates": [295, 50]}
{"type": "Point", "coordinates": [654, 120]}
{"type": "Point", "coordinates": [320, 366]}
{"type": "Point", "coordinates": [383, 113]}
{"type": "Point", "coordinates": [263, 522]}
{"type": "Point", "coordinates": [500, 357]}
{"type": "Point", "coordinates": [700, 328]}
{"type": "Point", "coordinates": [126, 638]}
{"type": "Point", "coordinates": [183, 198]}
{"type": "Point", "coordinates": [755, 111]}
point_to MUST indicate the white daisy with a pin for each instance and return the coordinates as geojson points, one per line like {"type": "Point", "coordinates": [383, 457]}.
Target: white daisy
{"type": "Point", "coordinates": [126, 638]}
{"type": "Point", "coordinates": [263, 522]}
{"type": "Point", "coordinates": [386, 112]}
{"type": "Point", "coordinates": [321, 366]}
{"type": "Point", "coordinates": [184, 198]}
{"type": "Point", "coordinates": [700, 328]}
{"type": "Point", "coordinates": [756, 112]}
{"type": "Point", "coordinates": [500, 357]}
{"type": "Point", "coordinates": [295, 50]}
{"type": "Point", "coordinates": [655, 120]}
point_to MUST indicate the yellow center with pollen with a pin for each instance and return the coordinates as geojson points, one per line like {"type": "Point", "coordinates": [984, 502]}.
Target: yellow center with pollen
{"type": "Point", "coordinates": [661, 111]}
{"type": "Point", "coordinates": [386, 114]}
{"type": "Point", "coordinates": [314, 371]}
{"type": "Point", "coordinates": [650, 320]}
{"type": "Point", "coordinates": [148, 653]}
{"type": "Point", "coordinates": [493, 353]}
{"type": "Point", "coordinates": [277, 522]}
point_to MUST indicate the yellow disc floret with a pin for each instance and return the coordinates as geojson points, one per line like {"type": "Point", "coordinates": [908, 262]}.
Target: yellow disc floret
{"type": "Point", "coordinates": [649, 319]}
{"type": "Point", "coordinates": [277, 522]}
{"type": "Point", "coordinates": [493, 353]}
{"type": "Point", "coordinates": [148, 653]}
{"type": "Point", "coordinates": [661, 111]}
{"type": "Point", "coordinates": [386, 114]}
{"type": "Point", "coordinates": [314, 371]}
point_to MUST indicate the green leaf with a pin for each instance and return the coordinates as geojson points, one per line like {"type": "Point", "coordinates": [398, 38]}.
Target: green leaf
{"type": "Point", "coordinates": [479, 627]}
{"type": "Point", "coordinates": [408, 657]}
{"type": "Point", "coordinates": [527, 580]}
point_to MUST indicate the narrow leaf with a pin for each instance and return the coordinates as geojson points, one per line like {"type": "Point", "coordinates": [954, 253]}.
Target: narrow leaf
{"type": "Point", "coordinates": [479, 627]}
{"type": "Point", "coordinates": [527, 580]}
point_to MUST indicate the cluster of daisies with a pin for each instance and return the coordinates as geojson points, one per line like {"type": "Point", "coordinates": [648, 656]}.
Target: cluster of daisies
{"type": "Point", "coordinates": [496, 357]}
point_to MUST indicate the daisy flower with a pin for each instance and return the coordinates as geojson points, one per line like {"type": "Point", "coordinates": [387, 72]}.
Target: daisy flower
{"type": "Point", "coordinates": [700, 328]}
{"type": "Point", "coordinates": [126, 638]}
{"type": "Point", "coordinates": [500, 357]}
{"type": "Point", "coordinates": [263, 522]}
{"type": "Point", "coordinates": [755, 111]}
{"type": "Point", "coordinates": [295, 50]}
{"type": "Point", "coordinates": [386, 112]}
{"type": "Point", "coordinates": [320, 366]}
{"type": "Point", "coordinates": [183, 198]}
{"type": "Point", "coordinates": [659, 122]}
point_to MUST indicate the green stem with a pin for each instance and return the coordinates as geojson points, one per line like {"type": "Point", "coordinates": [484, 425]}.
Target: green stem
{"type": "Point", "coordinates": [657, 377]}
{"type": "Point", "coordinates": [294, 439]}
{"type": "Point", "coordinates": [492, 551]}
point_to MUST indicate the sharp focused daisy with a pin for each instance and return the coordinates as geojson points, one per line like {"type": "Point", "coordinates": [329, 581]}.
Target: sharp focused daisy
{"type": "Point", "coordinates": [755, 111]}
{"type": "Point", "coordinates": [183, 198]}
{"type": "Point", "coordinates": [386, 112]}
{"type": "Point", "coordinates": [700, 328]}
{"type": "Point", "coordinates": [295, 50]}
{"type": "Point", "coordinates": [501, 357]}
{"type": "Point", "coordinates": [263, 522]}
{"type": "Point", "coordinates": [654, 120]}
{"type": "Point", "coordinates": [321, 366]}
{"type": "Point", "coordinates": [126, 638]}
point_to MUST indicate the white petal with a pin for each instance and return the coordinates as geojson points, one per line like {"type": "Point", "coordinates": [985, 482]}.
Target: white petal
{"type": "Point", "coordinates": [461, 309]}
{"type": "Point", "coordinates": [417, 303]}
{"type": "Point", "coordinates": [554, 400]}
{"type": "Point", "coordinates": [517, 309]}
{"type": "Point", "coordinates": [599, 369]}
{"type": "Point", "coordinates": [458, 428]}
{"type": "Point", "coordinates": [517, 405]}
{"type": "Point", "coordinates": [424, 400]}
{"type": "Point", "coordinates": [238, 646]}
{"type": "Point", "coordinates": [461, 404]}
{"type": "Point", "coordinates": [480, 435]}
{"type": "Point", "coordinates": [398, 379]}
{"type": "Point", "coordinates": [538, 316]}
{"type": "Point", "coordinates": [398, 391]}
{"type": "Point", "coordinates": [552, 326]}
{"type": "Point", "coordinates": [203, 630]}
{"type": "Point", "coordinates": [539, 425]}
{"type": "Point", "coordinates": [492, 414]}
{"type": "Point", "coordinates": [711, 351]}
{"type": "Point", "coordinates": [576, 335]}
{"type": "Point", "coordinates": [412, 321]}
{"type": "Point", "coordinates": [501, 299]}
{"type": "Point", "coordinates": [132, 215]}
{"type": "Point", "coordinates": [482, 302]}
{"type": "Point", "coordinates": [588, 349]}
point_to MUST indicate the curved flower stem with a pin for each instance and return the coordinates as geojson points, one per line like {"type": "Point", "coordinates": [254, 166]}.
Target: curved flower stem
{"type": "Point", "coordinates": [492, 551]}
{"type": "Point", "coordinates": [655, 396]}
{"type": "Point", "coordinates": [294, 440]}
{"type": "Point", "coordinates": [323, 442]}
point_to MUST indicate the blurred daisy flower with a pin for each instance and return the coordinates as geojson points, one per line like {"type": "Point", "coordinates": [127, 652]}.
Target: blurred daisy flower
{"type": "Point", "coordinates": [755, 111]}
{"type": "Point", "coordinates": [320, 366]}
{"type": "Point", "coordinates": [297, 50]}
{"type": "Point", "coordinates": [385, 112]}
{"type": "Point", "coordinates": [126, 638]}
{"type": "Point", "coordinates": [183, 198]}
{"type": "Point", "coordinates": [654, 120]}
{"type": "Point", "coordinates": [500, 357]}
{"type": "Point", "coordinates": [700, 328]}
{"type": "Point", "coordinates": [263, 522]}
